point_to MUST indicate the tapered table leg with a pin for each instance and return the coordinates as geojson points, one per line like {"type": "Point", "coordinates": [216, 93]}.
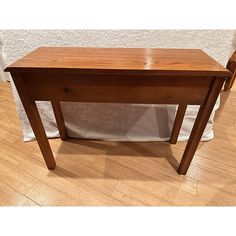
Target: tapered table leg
{"type": "Point", "coordinates": [199, 125]}
{"type": "Point", "coordinates": [35, 121]}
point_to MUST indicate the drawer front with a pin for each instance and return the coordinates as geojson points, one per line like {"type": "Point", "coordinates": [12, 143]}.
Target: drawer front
{"type": "Point", "coordinates": [117, 89]}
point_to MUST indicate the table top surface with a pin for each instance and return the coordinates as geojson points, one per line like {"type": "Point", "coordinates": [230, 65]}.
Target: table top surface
{"type": "Point", "coordinates": [120, 60]}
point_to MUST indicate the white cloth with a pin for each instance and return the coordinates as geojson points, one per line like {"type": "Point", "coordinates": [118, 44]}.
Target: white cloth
{"type": "Point", "coordinates": [3, 75]}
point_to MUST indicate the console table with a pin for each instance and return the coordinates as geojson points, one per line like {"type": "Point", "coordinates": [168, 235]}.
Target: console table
{"type": "Point", "coordinates": [119, 75]}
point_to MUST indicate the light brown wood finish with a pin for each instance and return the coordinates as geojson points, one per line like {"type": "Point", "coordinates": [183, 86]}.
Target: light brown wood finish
{"type": "Point", "coordinates": [141, 61]}
{"type": "Point", "coordinates": [167, 76]}
{"type": "Point", "coordinates": [231, 66]}
{"type": "Point", "coordinates": [98, 173]}
{"type": "Point", "coordinates": [177, 124]}
{"type": "Point", "coordinates": [56, 106]}
{"type": "Point", "coordinates": [117, 89]}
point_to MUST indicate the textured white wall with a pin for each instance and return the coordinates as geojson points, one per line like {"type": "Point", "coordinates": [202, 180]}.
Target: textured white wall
{"type": "Point", "coordinates": [218, 43]}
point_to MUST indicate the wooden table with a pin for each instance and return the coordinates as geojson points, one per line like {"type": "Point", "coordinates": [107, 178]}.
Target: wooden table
{"type": "Point", "coordinates": [119, 75]}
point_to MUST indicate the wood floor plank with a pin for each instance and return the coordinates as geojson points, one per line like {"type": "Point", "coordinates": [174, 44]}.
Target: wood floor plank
{"type": "Point", "coordinates": [33, 188]}
{"type": "Point", "coordinates": [151, 190]}
{"type": "Point", "coordinates": [132, 196]}
{"type": "Point", "coordinates": [211, 196]}
{"type": "Point", "coordinates": [11, 197]}
{"type": "Point", "coordinates": [60, 180]}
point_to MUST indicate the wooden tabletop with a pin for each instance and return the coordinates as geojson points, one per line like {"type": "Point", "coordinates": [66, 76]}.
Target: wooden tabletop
{"type": "Point", "coordinates": [121, 60]}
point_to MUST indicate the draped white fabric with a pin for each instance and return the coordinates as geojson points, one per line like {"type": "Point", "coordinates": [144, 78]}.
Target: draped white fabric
{"type": "Point", "coordinates": [3, 75]}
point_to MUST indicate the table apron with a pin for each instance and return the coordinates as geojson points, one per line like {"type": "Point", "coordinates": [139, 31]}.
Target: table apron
{"type": "Point", "coordinates": [118, 89]}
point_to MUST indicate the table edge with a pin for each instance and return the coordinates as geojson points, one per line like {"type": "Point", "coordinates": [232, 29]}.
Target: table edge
{"type": "Point", "coordinates": [226, 73]}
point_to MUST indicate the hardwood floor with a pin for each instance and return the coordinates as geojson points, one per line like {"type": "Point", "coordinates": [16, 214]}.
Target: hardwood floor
{"type": "Point", "coordinates": [116, 173]}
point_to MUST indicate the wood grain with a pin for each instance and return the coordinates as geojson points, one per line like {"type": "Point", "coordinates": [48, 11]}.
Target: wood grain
{"type": "Point", "coordinates": [117, 89]}
{"type": "Point", "coordinates": [120, 60]}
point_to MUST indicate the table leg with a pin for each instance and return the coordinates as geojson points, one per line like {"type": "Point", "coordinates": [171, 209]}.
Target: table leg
{"type": "Point", "coordinates": [231, 66]}
{"type": "Point", "coordinates": [229, 82]}
{"type": "Point", "coordinates": [178, 123]}
{"type": "Point", "coordinates": [35, 121]}
{"type": "Point", "coordinates": [59, 119]}
{"type": "Point", "coordinates": [199, 125]}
